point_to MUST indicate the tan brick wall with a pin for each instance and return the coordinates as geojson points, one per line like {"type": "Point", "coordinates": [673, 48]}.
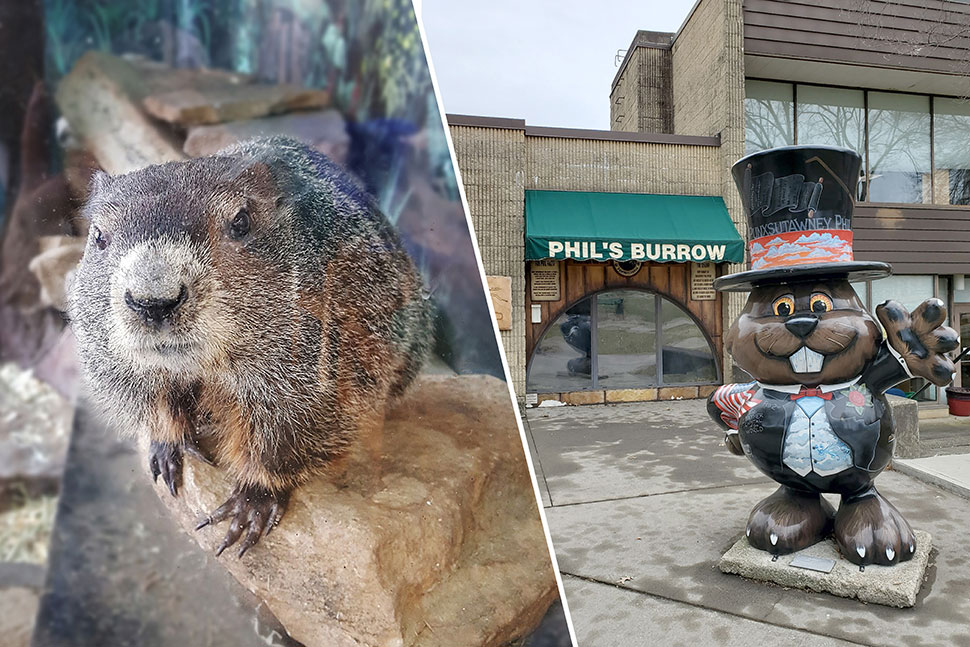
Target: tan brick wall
{"type": "Point", "coordinates": [655, 96]}
{"type": "Point", "coordinates": [641, 100]}
{"type": "Point", "coordinates": [492, 164]}
{"type": "Point", "coordinates": [708, 96]}
{"type": "Point", "coordinates": [622, 167]}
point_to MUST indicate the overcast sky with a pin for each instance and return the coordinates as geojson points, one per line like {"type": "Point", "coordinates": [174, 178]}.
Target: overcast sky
{"type": "Point", "coordinates": [550, 62]}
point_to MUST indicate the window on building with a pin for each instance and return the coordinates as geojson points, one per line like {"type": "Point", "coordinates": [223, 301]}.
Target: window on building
{"type": "Point", "coordinates": [769, 115]}
{"type": "Point", "coordinates": [951, 134]}
{"type": "Point", "coordinates": [832, 117]}
{"type": "Point", "coordinates": [562, 360]}
{"type": "Point", "coordinates": [900, 166]}
{"type": "Point", "coordinates": [899, 148]}
{"type": "Point", "coordinates": [612, 341]}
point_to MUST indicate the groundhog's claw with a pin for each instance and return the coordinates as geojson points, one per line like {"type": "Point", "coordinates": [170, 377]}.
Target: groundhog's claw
{"type": "Point", "coordinates": [165, 459]}
{"type": "Point", "coordinates": [254, 512]}
{"type": "Point", "coordinates": [921, 338]}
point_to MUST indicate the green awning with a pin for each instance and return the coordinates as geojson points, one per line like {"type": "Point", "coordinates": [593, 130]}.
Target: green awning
{"type": "Point", "coordinates": [629, 226]}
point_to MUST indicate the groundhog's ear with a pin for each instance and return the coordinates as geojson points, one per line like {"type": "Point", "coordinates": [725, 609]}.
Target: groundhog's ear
{"type": "Point", "coordinates": [99, 182]}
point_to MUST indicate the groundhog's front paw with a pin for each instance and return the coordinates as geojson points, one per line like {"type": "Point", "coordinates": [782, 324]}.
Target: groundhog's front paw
{"type": "Point", "coordinates": [869, 530]}
{"type": "Point", "coordinates": [921, 338]}
{"type": "Point", "coordinates": [165, 459]}
{"type": "Point", "coordinates": [254, 511]}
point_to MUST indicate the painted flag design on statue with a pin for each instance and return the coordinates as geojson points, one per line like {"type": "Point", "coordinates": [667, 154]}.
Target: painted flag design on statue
{"type": "Point", "coordinates": [734, 400]}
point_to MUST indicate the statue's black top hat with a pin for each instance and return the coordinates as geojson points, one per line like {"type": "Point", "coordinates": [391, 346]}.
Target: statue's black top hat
{"type": "Point", "coordinates": [798, 200]}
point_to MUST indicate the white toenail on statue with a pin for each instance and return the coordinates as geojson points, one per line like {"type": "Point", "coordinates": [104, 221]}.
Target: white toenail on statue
{"type": "Point", "coordinates": [774, 538]}
{"type": "Point", "coordinates": [861, 550]}
{"type": "Point", "coordinates": [747, 533]}
{"type": "Point", "coordinates": [890, 553]}
{"type": "Point", "coordinates": [912, 548]}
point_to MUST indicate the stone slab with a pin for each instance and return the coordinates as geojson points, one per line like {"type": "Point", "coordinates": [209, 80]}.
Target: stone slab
{"type": "Point", "coordinates": [631, 395]}
{"type": "Point", "coordinates": [894, 586]}
{"type": "Point", "coordinates": [950, 472]}
{"type": "Point", "coordinates": [215, 104]}
{"type": "Point", "coordinates": [583, 397]}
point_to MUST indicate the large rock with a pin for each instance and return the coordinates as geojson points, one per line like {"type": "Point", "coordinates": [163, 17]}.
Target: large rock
{"type": "Point", "coordinates": [449, 550]}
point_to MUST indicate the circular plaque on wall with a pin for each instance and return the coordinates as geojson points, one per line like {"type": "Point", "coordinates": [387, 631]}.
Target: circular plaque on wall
{"type": "Point", "coordinates": [627, 268]}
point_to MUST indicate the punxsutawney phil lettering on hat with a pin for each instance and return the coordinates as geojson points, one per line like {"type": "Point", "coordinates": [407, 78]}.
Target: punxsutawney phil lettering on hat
{"type": "Point", "coordinates": [611, 239]}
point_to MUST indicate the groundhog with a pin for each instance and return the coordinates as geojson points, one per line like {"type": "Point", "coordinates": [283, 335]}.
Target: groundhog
{"type": "Point", "coordinates": [254, 308]}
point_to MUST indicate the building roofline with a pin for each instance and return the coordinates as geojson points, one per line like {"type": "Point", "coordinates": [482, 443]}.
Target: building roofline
{"type": "Point", "coordinates": [637, 43]}
{"type": "Point", "coordinates": [476, 121]}
{"type": "Point", "coordinates": [580, 133]}
{"type": "Point", "coordinates": [643, 38]}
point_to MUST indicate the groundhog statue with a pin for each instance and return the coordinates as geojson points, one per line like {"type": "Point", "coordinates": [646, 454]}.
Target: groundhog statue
{"type": "Point", "coordinates": [816, 419]}
{"type": "Point", "coordinates": [253, 307]}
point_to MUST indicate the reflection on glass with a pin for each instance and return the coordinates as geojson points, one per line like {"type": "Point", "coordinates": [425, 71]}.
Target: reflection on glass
{"type": "Point", "coordinates": [832, 117]}
{"type": "Point", "coordinates": [687, 356]}
{"type": "Point", "coordinates": [626, 339]}
{"type": "Point", "coordinates": [563, 358]}
{"type": "Point", "coordinates": [899, 148]}
{"type": "Point", "coordinates": [768, 115]}
{"type": "Point", "coordinates": [965, 341]}
{"type": "Point", "coordinates": [908, 289]}
{"type": "Point", "coordinates": [624, 333]}
{"type": "Point", "coordinates": [951, 132]}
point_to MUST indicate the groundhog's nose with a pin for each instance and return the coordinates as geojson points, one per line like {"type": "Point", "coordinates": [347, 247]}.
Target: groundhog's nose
{"type": "Point", "coordinates": [155, 310]}
{"type": "Point", "coordinates": [802, 327]}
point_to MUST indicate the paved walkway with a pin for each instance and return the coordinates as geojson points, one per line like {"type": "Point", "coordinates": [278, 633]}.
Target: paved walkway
{"type": "Point", "coordinates": [642, 499]}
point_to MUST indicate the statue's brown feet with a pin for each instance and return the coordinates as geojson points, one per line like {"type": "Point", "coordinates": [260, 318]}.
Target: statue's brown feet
{"type": "Point", "coordinates": [165, 460]}
{"type": "Point", "coordinates": [869, 530]}
{"type": "Point", "coordinates": [789, 520]}
{"type": "Point", "coordinates": [254, 511]}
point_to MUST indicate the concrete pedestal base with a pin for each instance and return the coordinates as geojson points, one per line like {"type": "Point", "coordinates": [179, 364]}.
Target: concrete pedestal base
{"type": "Point", "coordinates": [894, 586]}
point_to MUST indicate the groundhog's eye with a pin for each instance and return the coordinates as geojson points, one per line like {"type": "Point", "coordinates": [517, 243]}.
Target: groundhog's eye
{"type": "Point", "coordinates": [783, 305]}
{"type": "Point", "coordinates": [239, 226]}
{"type": "Point", "coordinates": [820, 302]}
{"type": "Point", "coordinates": [101, 239]}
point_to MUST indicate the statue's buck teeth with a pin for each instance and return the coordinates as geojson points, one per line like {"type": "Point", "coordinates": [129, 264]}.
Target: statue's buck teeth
{"type": "Point", "coordinates": [806, 360]}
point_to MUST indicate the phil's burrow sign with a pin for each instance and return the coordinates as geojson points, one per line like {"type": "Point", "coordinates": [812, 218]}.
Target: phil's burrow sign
{"type": "Point", "coordinates": [595, 250]}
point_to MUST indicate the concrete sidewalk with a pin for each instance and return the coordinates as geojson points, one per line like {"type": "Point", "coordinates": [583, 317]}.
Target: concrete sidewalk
{"type": "Point", "coordinates": [643, 499]}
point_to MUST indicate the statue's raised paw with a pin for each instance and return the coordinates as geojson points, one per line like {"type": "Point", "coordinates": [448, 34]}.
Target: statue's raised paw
{"type": "Point", "coordinates": [789, 520]}
{"type": "Point", "coordinates": [921, 338]}
{"type": "Point", "coordinates": [869, 530]}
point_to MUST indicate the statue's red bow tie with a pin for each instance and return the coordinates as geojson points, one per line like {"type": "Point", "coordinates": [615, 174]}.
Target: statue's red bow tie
{"type": "Point", "coordinates": [815, 393]}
